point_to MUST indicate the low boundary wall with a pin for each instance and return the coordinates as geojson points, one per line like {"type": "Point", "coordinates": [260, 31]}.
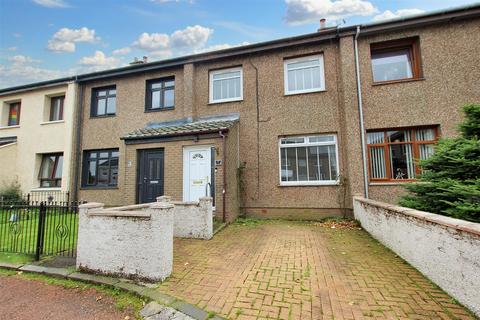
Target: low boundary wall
{"type": "Point", "coordinates": [192, 219]}
{"type": "Point", "coordinates": [132, 241]}
{"type": "Point", "coordinates": [444, 249]}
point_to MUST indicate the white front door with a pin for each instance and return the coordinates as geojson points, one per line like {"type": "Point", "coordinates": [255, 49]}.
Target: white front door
{"type": "Point", "coordinates": [196, 172]}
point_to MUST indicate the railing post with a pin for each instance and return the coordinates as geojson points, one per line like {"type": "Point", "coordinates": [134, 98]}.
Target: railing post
{"type": "Point", "coordinates": [40, 230]}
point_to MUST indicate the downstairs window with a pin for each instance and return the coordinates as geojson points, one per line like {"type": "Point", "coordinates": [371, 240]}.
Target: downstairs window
{"type": "Point", "coordinates": [308, 160]}
{"type": "Point", "coordinates": [393, 154]}
{"type": "Point", "coordinates": [50, 174]}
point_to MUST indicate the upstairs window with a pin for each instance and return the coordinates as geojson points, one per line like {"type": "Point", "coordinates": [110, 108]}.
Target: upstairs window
{"type": "Point", "coordinates": [160, 94]}
{"type": "Point", "coordinates": [395, 60]}
{"type": "Point", "coordinates": [393, 153]}
{"type": "Point", "coordinates": [14, 114]}
{"type": "Point", "coordinates": [226, 85]}
{"type": "Point", "coordinates": [51, 170]}
{"type": "Point", "coordinates": [56, 108]}
{"type": "Point", "coordinates": [104, 101]}
{"type": "Point", "coordinates": [303, 75]}
{"type": "Point", "coordinates": [309, 160]}
{"type": "Point", "coordinates": [100, 168]}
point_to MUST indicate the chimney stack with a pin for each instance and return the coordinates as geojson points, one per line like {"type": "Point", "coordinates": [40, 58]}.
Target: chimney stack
{"type": "Point", "coordinates": [323, 21]}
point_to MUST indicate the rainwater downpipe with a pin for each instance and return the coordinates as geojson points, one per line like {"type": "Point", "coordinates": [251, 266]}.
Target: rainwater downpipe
{"type": "Point", "coordinates": [224, 190]}
{"type": "Point", "coordinates": [360, 112]}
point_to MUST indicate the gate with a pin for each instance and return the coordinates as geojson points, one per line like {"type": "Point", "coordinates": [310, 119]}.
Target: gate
{"type": "Point", "coordinates": [39, 228]}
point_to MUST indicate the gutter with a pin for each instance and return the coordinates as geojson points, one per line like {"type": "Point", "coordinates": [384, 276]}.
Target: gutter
{"type": "Point", "coordinates": [360, 113]}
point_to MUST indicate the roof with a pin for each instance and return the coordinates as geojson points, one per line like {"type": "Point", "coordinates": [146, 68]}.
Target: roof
{"type": "Point", "coordinates": [180, 129]}
{"type": "Point", "coordinates": [7, 140]}
{"type": "Point", "coordinates": [436, 17]}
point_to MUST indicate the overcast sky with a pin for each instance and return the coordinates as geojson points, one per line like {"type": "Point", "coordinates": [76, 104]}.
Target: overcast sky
{"type": "Point", "coordinates": [46, 39]}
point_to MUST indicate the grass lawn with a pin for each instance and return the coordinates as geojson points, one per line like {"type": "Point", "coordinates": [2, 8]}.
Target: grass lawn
{"type": "Point", "coordinates": [15, 258]}
{"type": "Point", "coordinates": [19, 231]}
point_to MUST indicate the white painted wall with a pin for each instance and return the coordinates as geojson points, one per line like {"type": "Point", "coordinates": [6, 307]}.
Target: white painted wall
{"type": "Point", "coordinates": [192, 219]}
{"type": "Point", "coordinates": [444, 249]}
{"type": "Point", "coordinates": [131, 241]}
{"type": "Point", "coordinates": [36, 135]}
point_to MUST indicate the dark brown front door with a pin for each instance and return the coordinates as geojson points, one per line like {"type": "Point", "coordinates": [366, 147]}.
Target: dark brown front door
{"type": "Point", "coordinates": [150, 175]}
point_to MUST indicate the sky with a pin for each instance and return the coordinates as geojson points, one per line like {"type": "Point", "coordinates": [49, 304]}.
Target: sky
{"type": "Point", "coordinates": [47, 39]}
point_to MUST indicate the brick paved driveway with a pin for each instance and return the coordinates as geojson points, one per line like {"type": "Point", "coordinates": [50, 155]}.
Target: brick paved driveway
{"type": "Point", "coordinates": [293, 270]}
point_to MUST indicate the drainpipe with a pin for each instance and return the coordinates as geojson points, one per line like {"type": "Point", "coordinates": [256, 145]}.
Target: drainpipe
{"type": "Point", "coordinates": [78, 142]}
{"type": "Point", "coordinates": [224, 191]}
{"type": "Point", "coordinates": [360, 112]}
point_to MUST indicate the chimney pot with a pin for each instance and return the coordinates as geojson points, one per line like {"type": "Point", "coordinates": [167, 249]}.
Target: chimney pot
{"type": "Point", "coordinates": [322, 23]}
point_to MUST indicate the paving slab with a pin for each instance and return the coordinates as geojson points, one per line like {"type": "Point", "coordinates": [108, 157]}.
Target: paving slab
{"type": "Point", "coordinates": [97, 279]}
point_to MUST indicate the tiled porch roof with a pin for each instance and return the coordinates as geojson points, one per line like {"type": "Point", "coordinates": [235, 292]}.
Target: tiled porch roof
{"type": "Point", "coordinates": [176, 129]}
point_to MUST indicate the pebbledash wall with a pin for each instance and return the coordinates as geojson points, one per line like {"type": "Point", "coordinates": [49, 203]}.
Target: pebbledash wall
{"type": "Point", "coordinates": [444, 249]}
{"type": "Point", "coordinates": [449, 65]}
{"type": "Point", "coordinates": [36, 135]}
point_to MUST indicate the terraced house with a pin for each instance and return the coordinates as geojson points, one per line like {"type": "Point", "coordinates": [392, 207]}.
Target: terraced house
{"type": "Point", "coordinates": [36, 137]}
{"type": "Point", "coordinates": [287, 128]}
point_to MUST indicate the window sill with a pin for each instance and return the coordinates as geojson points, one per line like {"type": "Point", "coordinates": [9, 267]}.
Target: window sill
{"type": "Point", "coordinates": [313, 184]}
{"type": "Point", "coordinates": [99, 188]}
{"type": "Point", "coordinates": [102, 117]}
{"type": "Point", "coordinates": [224, 101]}
{"type": "Point", "coordinates": [381, 83]}
{"type": "Point", "coordinates": [159, 109]}
{"type": "Point", "coordinates": [9, 127]}
{"type": "Point", "coordinates": [286, 94]}
{"type": "Point", "coordinates": [51, 122]}
{"type": "Point", "coordinates": [40, 189]}
{"type": "Point", "coordinates": [391, 183]}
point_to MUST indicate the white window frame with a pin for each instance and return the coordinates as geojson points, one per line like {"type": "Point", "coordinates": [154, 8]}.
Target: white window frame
{"type": "Point", "coordinates": [308, 144]}
{"type": "Point", "coordinates": [215, 72]}
{"type": "Point", "coordinates": [286, 62]}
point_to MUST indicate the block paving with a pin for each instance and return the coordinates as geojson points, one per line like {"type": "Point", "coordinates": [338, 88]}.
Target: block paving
{"type": "Point", "coordinates": [303, 270]}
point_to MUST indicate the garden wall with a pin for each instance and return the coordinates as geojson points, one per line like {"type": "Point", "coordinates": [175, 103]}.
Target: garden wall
{"type": "Point", "coordinates": [444, 249]}
{"type": "Point", "coordinates": [192, 219]}
{"type": "Point", "coordinates": [132, 241]}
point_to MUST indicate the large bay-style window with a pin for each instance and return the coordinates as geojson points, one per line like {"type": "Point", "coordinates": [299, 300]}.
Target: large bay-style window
{"type": "Point", "coordinates": [160, 94]}
{"type": "Point", "coordinates": [395, 60]}
{"type": "Point", "coordinates": [226, 85]}
{"type": "Point", "coordinates": [308, 160]}
{"type": "Point", "coordinates": [104, 101]}
{"type": "Point", "coordinates": [50, 174]}
{"type": "Point", "coordinates": [393, 153]}
{"type": "Point", "coordinates": [305, 74]}
{"type": "Point", "coordinates": [100, 168]}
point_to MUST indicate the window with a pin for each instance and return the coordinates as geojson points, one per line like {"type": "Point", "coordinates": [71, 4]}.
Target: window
{"type": "Point", "coordinates": [14, 114]}
{"type": "Point", "coordinates": [100, 168]}
{"type": "Point", "coordinates": [395, 60]}
{"type": "Point", "coordinates": [393, 153]}
{"type": "Point", "coordinates": [50, 174]}
{"type": "Point", "coordinates": [304, 75]}
{"type": "Point", "coordinates": [226, 85]}
{"type": "Point", "coordinates": [56, 108]}
{"type": "Point", "coordinates": [160, 94]}
{"type": "Point", "coordinates": [310, 160]}
{"type": "Point", "coordinates": [104, 101]}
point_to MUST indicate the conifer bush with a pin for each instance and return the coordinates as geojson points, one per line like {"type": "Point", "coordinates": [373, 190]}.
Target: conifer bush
{"type": "Point", "coordinates": [450, 179]}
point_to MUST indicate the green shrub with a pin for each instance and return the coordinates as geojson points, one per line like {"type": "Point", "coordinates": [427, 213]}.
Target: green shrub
{"type": "Point", "coordinates": [450, 183]}
{"type": "Point", "coordinates": [11, 192]}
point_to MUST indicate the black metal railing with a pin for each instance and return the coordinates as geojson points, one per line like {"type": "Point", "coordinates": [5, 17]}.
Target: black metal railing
{"type": "Point", "coordinates": [47, 196]}
{"type": "Point", "coordinates": [39, 228]}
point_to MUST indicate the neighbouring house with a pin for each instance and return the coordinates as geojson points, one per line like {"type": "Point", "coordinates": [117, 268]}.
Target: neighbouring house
{"type": "Point", "coordinates": [288, 128]}
{"type": "Point", "coordinates": [36, 136]}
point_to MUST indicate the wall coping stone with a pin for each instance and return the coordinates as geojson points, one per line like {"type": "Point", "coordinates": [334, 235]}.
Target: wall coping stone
{"type": "Point", "coordinates": [457, 224]}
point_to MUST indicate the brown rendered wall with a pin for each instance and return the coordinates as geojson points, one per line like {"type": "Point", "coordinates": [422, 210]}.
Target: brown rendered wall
{"type": "Point", "coordinates": [451, 65]}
